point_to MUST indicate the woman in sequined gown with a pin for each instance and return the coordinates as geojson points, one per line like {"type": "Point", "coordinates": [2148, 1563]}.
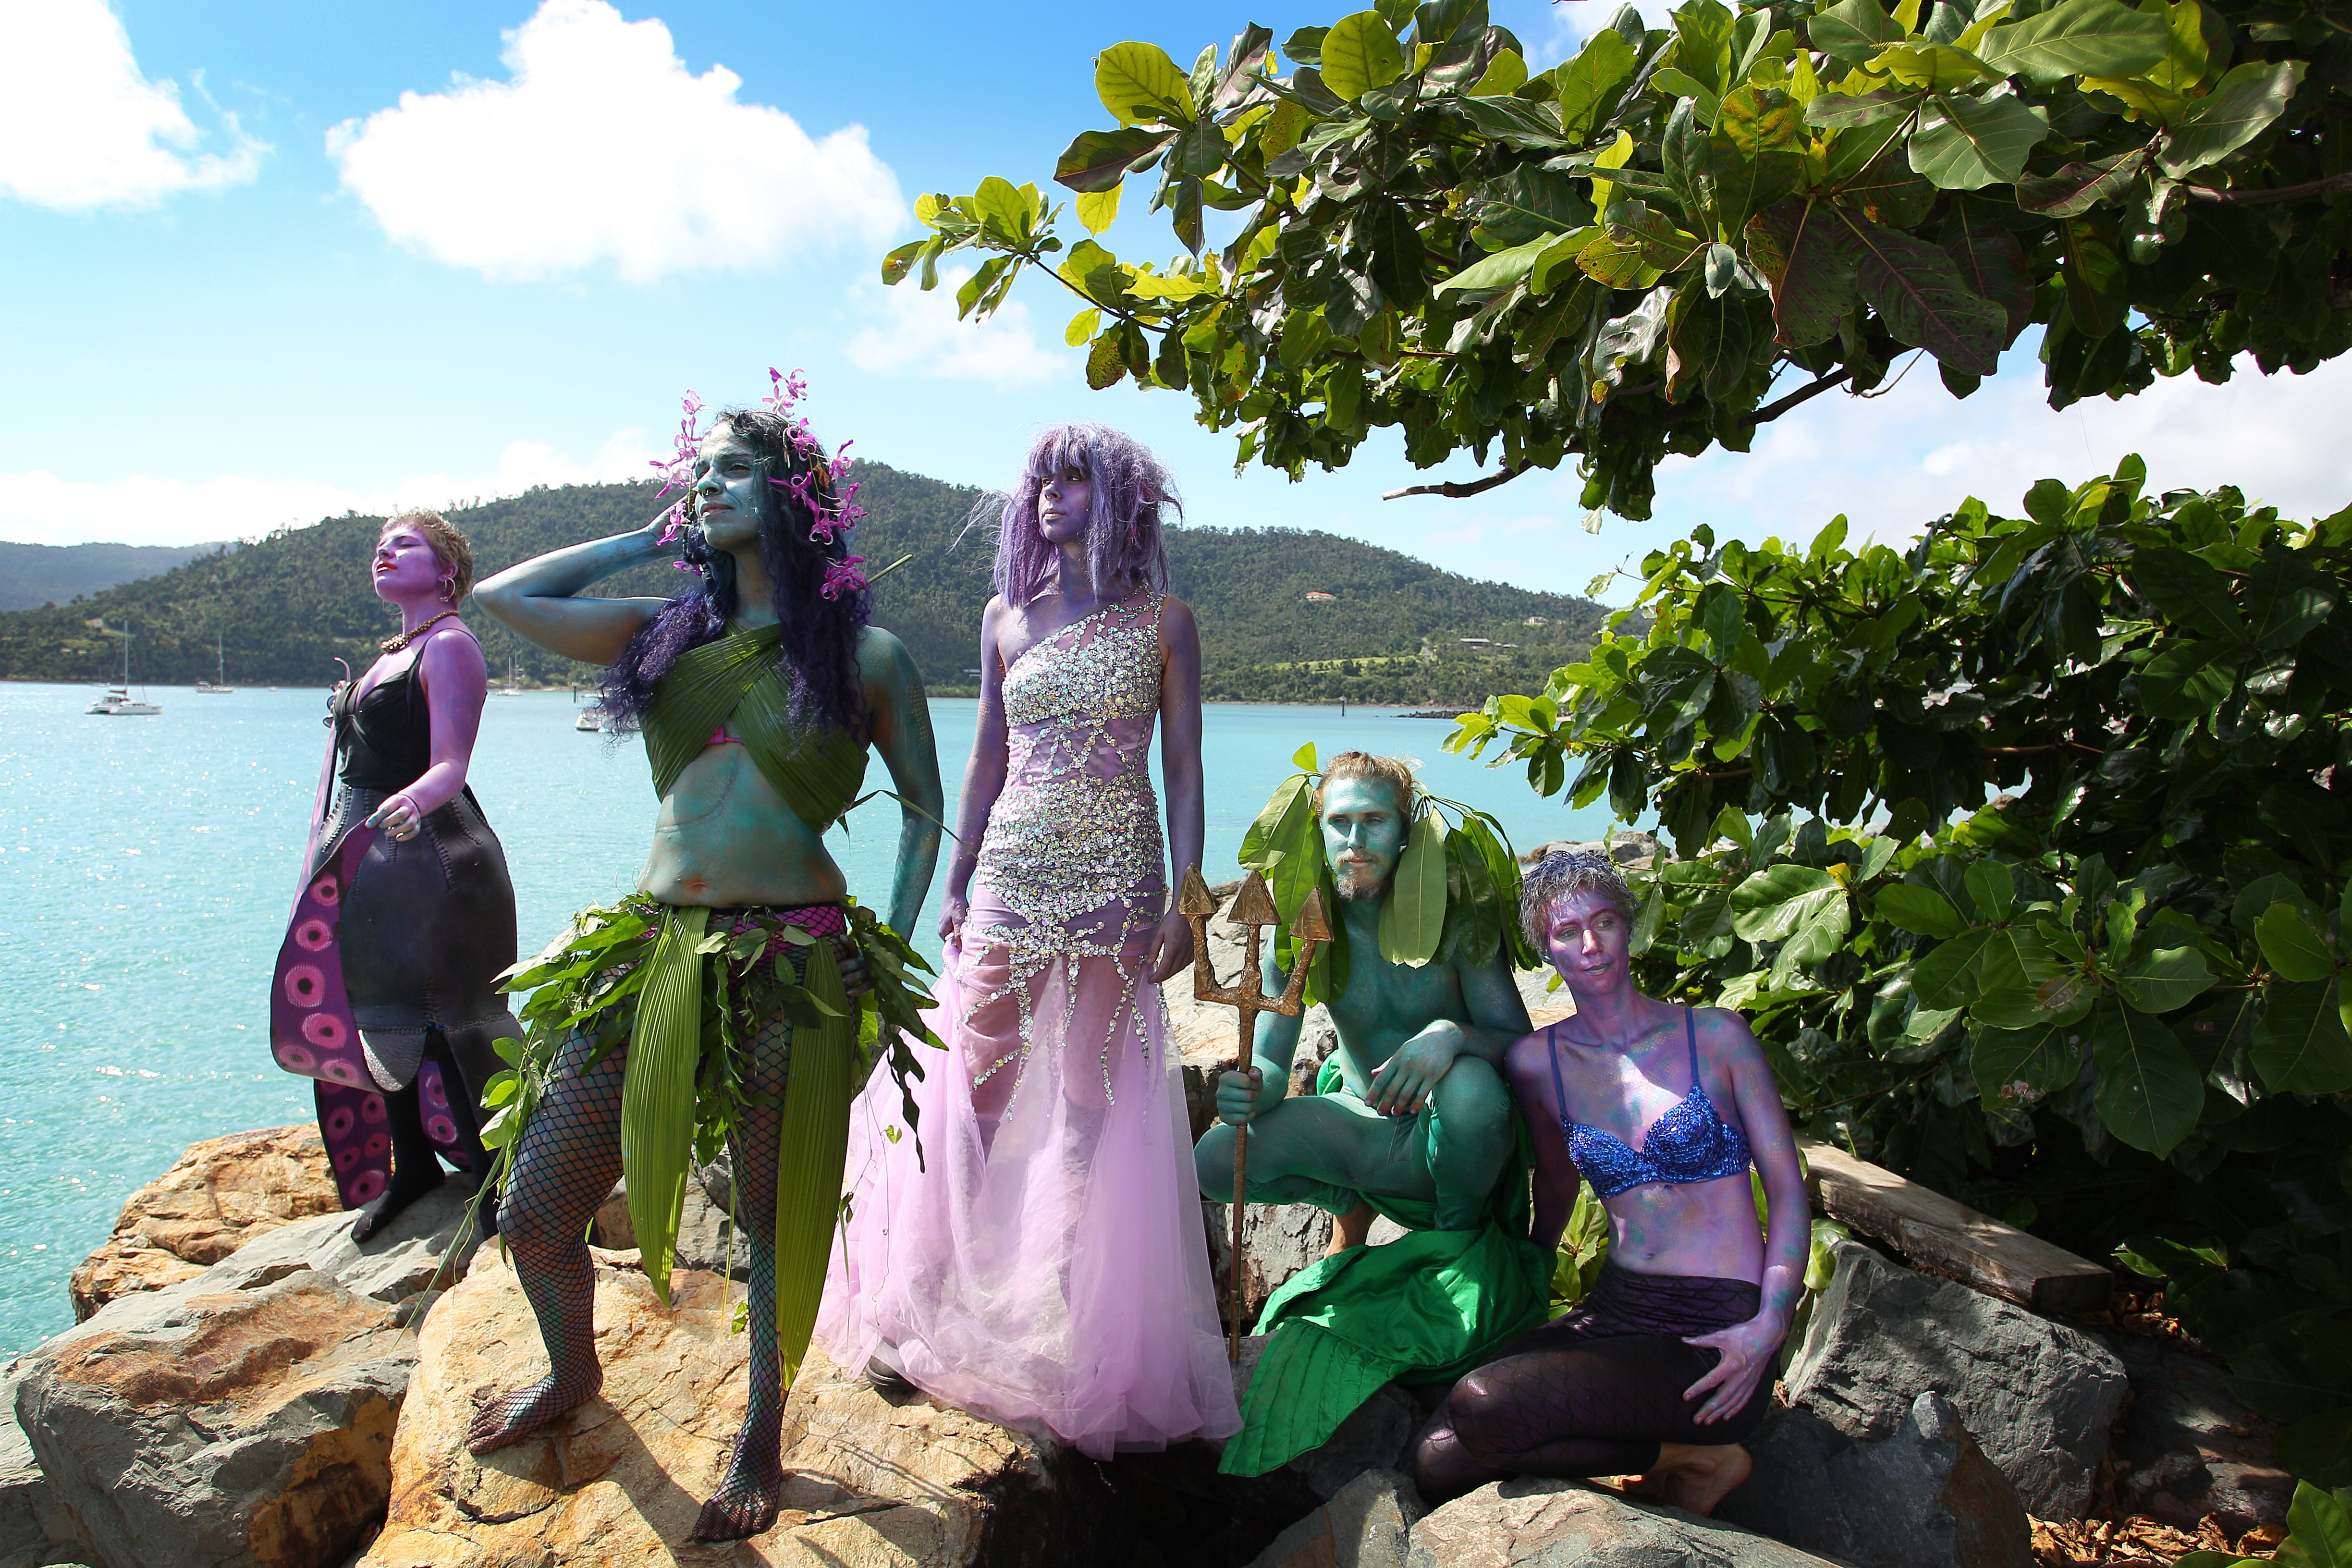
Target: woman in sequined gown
{"type": "Point", "coordinates": [1042, 1261]}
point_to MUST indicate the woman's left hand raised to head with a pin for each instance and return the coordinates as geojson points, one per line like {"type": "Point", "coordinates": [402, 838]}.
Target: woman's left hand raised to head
{"type": "Point", "coordinates": [1747, 1355]}
{"type": "Point", "coordinates": [1171, 948]}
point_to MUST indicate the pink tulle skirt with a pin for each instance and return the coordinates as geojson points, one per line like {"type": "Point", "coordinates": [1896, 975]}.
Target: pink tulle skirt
{"type": "Point", "coordinates": [1046, 1267]}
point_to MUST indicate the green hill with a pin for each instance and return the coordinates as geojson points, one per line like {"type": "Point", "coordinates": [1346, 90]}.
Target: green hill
{"type": "Point", "coordinates": [285, 608]}
{"type": "Point", "coordinates": [34, 575]}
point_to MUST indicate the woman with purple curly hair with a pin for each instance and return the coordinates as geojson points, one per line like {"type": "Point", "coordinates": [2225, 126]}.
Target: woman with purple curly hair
{"type": "Point", "coordinates": [1042, 1260]}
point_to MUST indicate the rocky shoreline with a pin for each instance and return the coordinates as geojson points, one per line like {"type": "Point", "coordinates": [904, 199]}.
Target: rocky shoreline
{"type": "Point", "coordinates": [246, 1385]}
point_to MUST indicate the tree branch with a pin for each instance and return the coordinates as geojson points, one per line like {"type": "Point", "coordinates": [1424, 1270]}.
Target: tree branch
{"type": "Point", "coordinates": [1772, 411]}
{"type": "Point", "coordinates": [2326, 187]}
{"type": "Point", "coordinates": [1458, 489]}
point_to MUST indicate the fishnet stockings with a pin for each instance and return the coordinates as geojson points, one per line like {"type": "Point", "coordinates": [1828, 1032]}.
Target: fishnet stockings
{"type": "Point", "coordinates": [570, 1158]}
{"type": "Point", "coordinates": [1591, 1394]}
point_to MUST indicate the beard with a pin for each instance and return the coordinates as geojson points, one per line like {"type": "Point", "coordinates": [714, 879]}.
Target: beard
{"type": "Point", "coordinates": [1359, 879]}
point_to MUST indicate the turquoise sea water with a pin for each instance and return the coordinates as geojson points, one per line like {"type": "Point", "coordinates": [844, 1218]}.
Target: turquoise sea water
{"type": "Point", "coordinates": [148, 864]}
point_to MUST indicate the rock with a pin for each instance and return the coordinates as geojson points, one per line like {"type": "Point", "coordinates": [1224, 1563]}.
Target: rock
{"type": "Point", "coordinates": [245, 1415]}
{"type": "Point", "coordinates": [621, 1481]}
{"type": "Point", "coordinates": [1364, 1525]}
{"type": "Point", "coordinates": [2039, 1397]}
{"type": "Point", "coordinates": [217, 1196]}
{"type": "Point", "coordinates": [35, 1531]}
{"type": "Point", "coordinates": [2188, 1448]}
{"type": "Point", "coordinates": [704, 1236]}
{"type": "Point", "coordinates": [1923, 1498]}
{"type": "Point", "coordinates": [1533, 1523]}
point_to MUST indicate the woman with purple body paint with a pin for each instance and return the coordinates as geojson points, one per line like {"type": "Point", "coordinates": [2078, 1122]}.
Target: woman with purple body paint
{"type": "Point", "coordinates": [426, 922]}
{"type": "Point", "coordinates": [1665, 1366]}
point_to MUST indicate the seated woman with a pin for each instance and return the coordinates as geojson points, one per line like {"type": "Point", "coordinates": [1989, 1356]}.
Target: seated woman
{"type": "Point", "coordinates": [1664, 1368]}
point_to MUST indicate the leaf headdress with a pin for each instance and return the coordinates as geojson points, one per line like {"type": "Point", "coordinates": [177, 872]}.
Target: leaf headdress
{"type": "Point", "coordinates": [1456, 891]}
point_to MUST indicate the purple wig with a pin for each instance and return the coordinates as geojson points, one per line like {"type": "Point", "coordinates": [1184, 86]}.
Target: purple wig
{"type": "Point", "coordinates": [818, 658]}
{"type": "Point", "coordinates": [1126, 524]}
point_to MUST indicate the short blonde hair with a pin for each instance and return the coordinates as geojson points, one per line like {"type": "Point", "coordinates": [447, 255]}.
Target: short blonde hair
{"type": "Point", "coordinates": [1393, 772]}
{"type": "Point", "coordinates": [1560, 875]}
{"type": "Point", "coordinates": [449, 546]}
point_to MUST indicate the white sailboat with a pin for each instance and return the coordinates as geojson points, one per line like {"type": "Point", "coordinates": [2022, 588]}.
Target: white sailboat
{"type": "Point", "coordinates": [220, 687]}
{"type": "Point", "coordinates": [513, 686]}
{"type": "Point", "coordinates": [117, 702]}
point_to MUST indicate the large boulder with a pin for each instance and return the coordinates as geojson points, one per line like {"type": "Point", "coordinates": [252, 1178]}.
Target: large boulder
{"type": "Point", "coordinates": [2039, 1397]}
{"type": "Point", "coordinates": [1365, 1525]}
{"type": "Point", "coordinates": [245, 1415]}
{"type": "Point", "coordinates": [219, 1195]}
{"type": "Point", "coordinates": [35, 1531]}
{"type": "Point", "coordinates": [622, 1480]}
{"type": "Point", "coordinates": [1533, 1523]}
{"type": "Point", "coordinates": [2188, 1449]}
{"type": "Point", "coordinates": [1924, 1497]}
{"type": "Point", "coordinates": [871, 1479]}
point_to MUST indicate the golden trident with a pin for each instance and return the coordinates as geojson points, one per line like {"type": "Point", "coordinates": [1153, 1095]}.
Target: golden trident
{"type": "Point", "coordinates": [1254, 911]}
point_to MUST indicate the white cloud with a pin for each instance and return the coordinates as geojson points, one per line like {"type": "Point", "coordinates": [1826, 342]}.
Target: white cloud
{"type": "Point", "coordinates": [919, 331]}
{"type": "Point", "coordinates": [602, 147]}
{"type": "Point", "coordinates": [39, 508]}
{"type": "Point", "coordinates": [1893, 464]}
{"type": "Point", "coordinates": [80, 127]}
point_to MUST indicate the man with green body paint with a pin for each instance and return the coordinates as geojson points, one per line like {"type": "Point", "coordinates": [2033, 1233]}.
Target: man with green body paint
{"type": "Point", "coordinates": [1412, 1119]}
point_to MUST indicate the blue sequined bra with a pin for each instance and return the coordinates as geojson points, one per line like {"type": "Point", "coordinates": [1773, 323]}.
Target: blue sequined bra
{"type": "Point", "coordinates": [1690, 1142]}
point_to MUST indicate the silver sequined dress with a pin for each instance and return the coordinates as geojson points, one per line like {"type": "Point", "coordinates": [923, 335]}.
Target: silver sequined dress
{"type": "Point", "coordinates": [1043, 1263]}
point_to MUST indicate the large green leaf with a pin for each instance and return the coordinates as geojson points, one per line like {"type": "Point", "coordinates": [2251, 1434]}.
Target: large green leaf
{"type": "Point", "coordinates": [1361, 53]}
{"type": "Point", "coordinates": [2159, 979]}
{"type": "Point", "coordinates": [1413, 920]}
{"type": "Point", "coordinates": [2150, 1093]}
{"type": "Point", "coordinates": [2241, 107]}
{"type": "Point", "coordinates": [1812, 281]}
{"type": "Point", "coordinates": [1923, 912]}
{"type": "Point", "coordinates": [2192, 595]}
{"type": "Point", "coordinates": [1918, 293]}
{"type": "Point", "coordinates": [1971, 143]}
{"type": "Point", "coordinates": [1822, 934]}
{"type": "Point", "coordinates": [1852, 30]}
{"type": "Point", "coordinates": [2319, 1523]}
{"type": "Point", "coordinates": [1991, 262]}
{"type": "Point", "coordinates": [2186, 679]}
{"type": "Point", "coordinates": [2300, 1045]}
{"type": "Point", "coordinates": [2023, 985]}
{"type": "Point", "coordinates": [2081, 38]}
{"type": "Point", "coordinates": [1098, 160]}
{"type": "Point", "coordinates": [2292, 948]}
{"type": "Point", "coordinates": [657, 1090]}
{"type": "Point", "coordinates": [1586, 83]}
{"type": "Point", "coordinates": [1137, 81]}
{"type": "Point", "coordinates": [1527, 204]}
{"type": "Point", "coordinates": [1947, 976]}
{"type": "Point", "coordinates": [1771, 904]}
{"type": "Point", "coordinates": [2014, 1068]}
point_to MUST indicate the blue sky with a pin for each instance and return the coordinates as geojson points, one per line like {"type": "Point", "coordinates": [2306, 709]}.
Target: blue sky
{"type": "Point", "coordinates": [265, 262]}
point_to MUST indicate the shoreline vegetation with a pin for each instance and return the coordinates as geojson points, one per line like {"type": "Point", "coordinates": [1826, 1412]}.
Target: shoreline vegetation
{"type": "Point", "coordinates": [1287, 616]}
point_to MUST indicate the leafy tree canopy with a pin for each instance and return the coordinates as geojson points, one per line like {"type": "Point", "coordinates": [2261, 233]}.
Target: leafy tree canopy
{"type": "Point", "coordinates": [1624, 255]}
{"type": "Point", "coordinates": [2026, 851]}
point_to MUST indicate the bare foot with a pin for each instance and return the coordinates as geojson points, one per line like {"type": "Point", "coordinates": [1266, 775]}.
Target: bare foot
{"type": "Point", "coordinates": [746, 1502]}
{"type": "Point", "coordinates": [515, 1416]}
{"type": "Point", "coordinates": [1693, 1477]}
{"type": "Point", "coordinates": [1349, 1230]}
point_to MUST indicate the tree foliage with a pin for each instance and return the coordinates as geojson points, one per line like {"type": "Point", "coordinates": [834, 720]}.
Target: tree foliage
{"type": "Point", "coordinates": [1623, 256]}
{"type": "Point", "coordinates": [2025, 851]}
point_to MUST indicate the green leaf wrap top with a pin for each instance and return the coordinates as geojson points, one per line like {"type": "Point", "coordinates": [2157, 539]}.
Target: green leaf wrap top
{"type": "Point", "coordinates": [813, 767]}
